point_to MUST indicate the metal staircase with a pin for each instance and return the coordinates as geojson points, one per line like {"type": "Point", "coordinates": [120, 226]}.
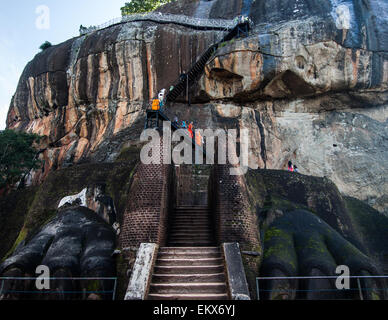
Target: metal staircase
{"type": "Point", "coordinates": [184, 83]}
{"type": "Point", "coordinates": [197, 68]}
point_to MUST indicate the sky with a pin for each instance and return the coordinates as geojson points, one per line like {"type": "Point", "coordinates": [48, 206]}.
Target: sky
{"type": "Point", "coordinates": [26, 24]}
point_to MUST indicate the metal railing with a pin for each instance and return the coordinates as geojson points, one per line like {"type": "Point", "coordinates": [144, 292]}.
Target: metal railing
{"type": "Point", "coordinates": [45, 291]}
{"type": "Point", "coordinates": [361, 290]}
{"type": "Point", "coordinates": [166, 18]}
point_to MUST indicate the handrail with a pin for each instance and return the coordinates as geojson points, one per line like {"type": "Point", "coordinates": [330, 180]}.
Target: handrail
{"type": "Point", "coordinates": [166, 18]}
{"type": "Point", "coordinates": [219, 40]}
{"type": "Point", "coordinates": [359, 288]}
{"type": "Point", "coordinates": [113, 291]}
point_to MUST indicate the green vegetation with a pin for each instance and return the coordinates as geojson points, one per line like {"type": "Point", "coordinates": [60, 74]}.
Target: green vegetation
{"type": "Point", "coordinates": [18, 156]}
{"type": "Point", "coordinates": [45, 46]}
{"type": "Point", "coordinates": [141, 6]}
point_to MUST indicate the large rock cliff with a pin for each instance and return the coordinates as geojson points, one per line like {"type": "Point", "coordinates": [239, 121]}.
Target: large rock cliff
{"type": "Point", "coordinates": [310, 82]}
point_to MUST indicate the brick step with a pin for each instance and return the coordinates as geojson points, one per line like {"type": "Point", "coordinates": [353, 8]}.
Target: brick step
{"type": "Point", "coordinates": [190, 249]}
{"type": "Point", "coordinates": [189, 296]}
{"type": "Point", "coordinates": [192, 211]}
{"type": "Point", "coordinates": [189, 239]}
{"type": "Point", "coordinates": [196, 213]}
{"type": "Point", "coordinates": [190, 243]}
{"type": "Point", "coordinates": [203, 212]}
{"type": "Point", "coordinates": [193, 234]}
{"type": "Point", "coordinates": [193, 216]}
{"type": "Point", "coordinates": [190, 262]}
{"type": "Point", "coordinates": [184, 278]}
{"type": "Point", "coordinates": [197, 220]}
{"type": "Point", "coordinates": [192, 208]}
{"type": "Point", "coordinates": [188, 229]}
{"type": "Point", "coordinates": [188, 269]}
{"type": "Point", "coordinates": [189, 213]}
{"type": "Point", "coordinates": [192, 223]}
{"type": "Point", "coordinates": [191, 220]}
{"type": "Point", "coordinates": [189, 255]}
{"type": "Point", "coordinates": [188, 288]}
{"type": "Point", "coordinates": [195, 225]}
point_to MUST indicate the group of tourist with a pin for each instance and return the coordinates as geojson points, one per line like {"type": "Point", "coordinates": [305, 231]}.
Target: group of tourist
{"type": "Point", "coordinates": [292, 167]}
{"type": "Point", "coordinates": [160, 102]}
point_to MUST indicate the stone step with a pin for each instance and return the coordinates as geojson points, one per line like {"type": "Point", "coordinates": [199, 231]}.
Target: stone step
{"type": "Point", "coordinates": [189, 296]}
{"type": "Point", "coordinates": [192, 210]}
{"type": "Point", "coordinates": [187, 212]}
{"type": "Point", "coordinates": [204, 212]}
{"type": "Point", "coordinates": [195, 235]}
{"type": "Point", "coordinates": [203, 220]}
{"type": "Point", "coordinates": [193, 215]}
{"type": "Point", "coordinates": [188, 229]}
{"type": "Point", "coordinates": [191, 240]}
{"type": "Point", "coordinates": [188, 269]}
{"type": "Point", "coordinates": [191, 222]}
{"type": "Point", "coordinates": [182, 219]}
{"type": "Point", "coordinates": [192, 235]}
{"type": "Point", "coordinates": [191, 207]}
{"type": "Point", "coordinates": [190, 262]}
{"type": "Point", "coordinates": [190, 249]}
{"type": "Point", "coordinates": [184, 278]}
{"type": "Point", "coordinates": [187, 224]}
{"type": "Point", "coordinates": [184, 243]}
{"type": "Point", "coordinates": [188, 288]}
{"type": "Point", "coordinates": [191, 231]}
{"type": "Point", "coordinates": [188, 255]}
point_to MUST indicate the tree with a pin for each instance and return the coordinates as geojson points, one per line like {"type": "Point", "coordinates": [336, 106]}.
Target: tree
{"type": "Point", "coordinates": [18, 156]}
{"type": "Point", "coordinates": [45, 45]}
{"type": "Point", "coordinates": [141, 6]}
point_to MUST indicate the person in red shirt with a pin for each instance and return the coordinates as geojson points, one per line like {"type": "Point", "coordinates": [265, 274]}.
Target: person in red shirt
{"type": "Point", "coordinates": [191, 127]}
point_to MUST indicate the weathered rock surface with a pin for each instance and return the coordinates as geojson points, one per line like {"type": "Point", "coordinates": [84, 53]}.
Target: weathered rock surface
{"type": "Point", "coordinates": [310, 82]}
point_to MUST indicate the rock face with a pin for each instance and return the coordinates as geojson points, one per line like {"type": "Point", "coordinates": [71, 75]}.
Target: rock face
{"type": "Point", "coordinates": [310, 82]}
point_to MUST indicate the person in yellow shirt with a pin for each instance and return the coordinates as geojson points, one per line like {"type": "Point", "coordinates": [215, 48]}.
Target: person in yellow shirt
{"type": "Point", "coordinates": [155, 104]}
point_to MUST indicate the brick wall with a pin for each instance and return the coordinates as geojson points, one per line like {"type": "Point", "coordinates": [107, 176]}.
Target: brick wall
{"type": "Point", "coordinates": [146, 216]}
{"type": "Point", "coordinates": [233, 219]}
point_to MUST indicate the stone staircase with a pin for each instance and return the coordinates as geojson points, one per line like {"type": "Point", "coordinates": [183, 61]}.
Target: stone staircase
{"type": "Point", "coordinates": [192, 267]}
{"type": "Point", "coordinates": [191, 226]}
{"type": "Point", "coordinates": [189, 273]}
